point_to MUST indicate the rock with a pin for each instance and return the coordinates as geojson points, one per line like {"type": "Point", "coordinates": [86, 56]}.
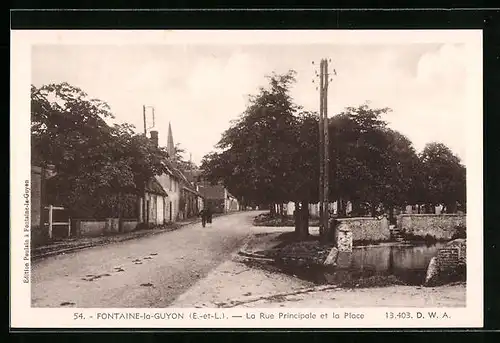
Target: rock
{"type": "Point", "coordinates": [331, 259]}
{"type": "Point", "coordinates": [432, 271]}
{"type": "Point", "coordinates": [448, 265]}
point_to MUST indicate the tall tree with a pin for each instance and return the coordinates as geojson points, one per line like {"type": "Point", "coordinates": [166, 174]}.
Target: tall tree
{"type": "Point", "coordinates": [444, 177]}
{"type": "Point", "coordinates": [399, 167]}
{"type": "Point", "coordinates": [180, 161]}
{"type": "Point", "coordinates": [96, 164]}
{"type": "Point", "coordinates": [258, 157]}
{"type": "Point", "coordinates": [358, 144]}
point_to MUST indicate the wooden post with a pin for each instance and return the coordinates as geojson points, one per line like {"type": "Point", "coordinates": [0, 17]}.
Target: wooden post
{"type": "Point", "coordinates": [69, 227]}
{"type": "Point", "coordinates": [50, 221]}
{"type": "Point", "coordinates": [321, 147]}
{"type": "Point", "coordinates": [326, 185]}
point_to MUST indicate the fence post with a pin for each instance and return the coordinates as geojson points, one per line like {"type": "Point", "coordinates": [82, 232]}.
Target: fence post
{"type": "Point", "coordinates": [69, 227]}
{"type": "Point", "coordinates": [50, 221]}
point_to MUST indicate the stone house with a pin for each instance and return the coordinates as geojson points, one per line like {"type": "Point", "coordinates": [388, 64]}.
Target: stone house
{"type": "Point", "coordinates": [181, 198]}
{"type": "Point", "coordinates": [157, 201]}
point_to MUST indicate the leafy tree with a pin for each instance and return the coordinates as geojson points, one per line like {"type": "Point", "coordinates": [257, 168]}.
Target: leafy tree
{"type": "Point", "coordinates": [263, 153]}
{"type": "Point", "coordinates": [179, 160]}
{"type": "Point", "coordinates": [444, 177]}
{"type": "Point", "coordinates": [400, 165]}
{"type": "Point", "coordinates": [372, 164]}
{"type": "Point", "coordinates": [98, 166]}
{"type": "Point", "coordinates": [358, 144]}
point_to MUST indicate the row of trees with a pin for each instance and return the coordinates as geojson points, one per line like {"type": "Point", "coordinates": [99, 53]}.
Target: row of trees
{"type": "Point", "coordinates": [269, 155]}
{"type": "Point", "coordinates": [101, 168]}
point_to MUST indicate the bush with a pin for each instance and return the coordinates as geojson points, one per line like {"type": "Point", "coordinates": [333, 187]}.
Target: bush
{"type": "Point", "coordinates": [460, 232]}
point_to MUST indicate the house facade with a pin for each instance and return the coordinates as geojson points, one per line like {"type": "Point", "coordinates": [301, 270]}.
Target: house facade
{"type": "Point", "coordinates": [173, 197]}
{"type": "Point", "coordinates": [231, 204]}
{"type": "Point", "coordinates": [156, 204]}
{"type": "Point", "coordinates": [171, 185]}
{"type": "Point", "coordinates": [218, 198]}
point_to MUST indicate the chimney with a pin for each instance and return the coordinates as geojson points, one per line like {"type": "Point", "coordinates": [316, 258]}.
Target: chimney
{"type": "Point", "coordinates": [154, 137]}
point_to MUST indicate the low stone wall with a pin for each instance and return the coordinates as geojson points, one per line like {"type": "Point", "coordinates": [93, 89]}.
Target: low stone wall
{"type": "Point", "coordinates": [439, 226]}
{"type": "Point", "coordinates": [449, 264]}
{"type": "Point", "coordinates": [91, 227]}
{"type": "Point", "coordinates": [129, 225]}
{"type": "Point", "coordinates": [368, 228]}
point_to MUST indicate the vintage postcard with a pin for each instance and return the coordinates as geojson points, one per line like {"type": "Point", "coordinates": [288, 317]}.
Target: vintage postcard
{"type": "Point", "coordinates": [246, 179]}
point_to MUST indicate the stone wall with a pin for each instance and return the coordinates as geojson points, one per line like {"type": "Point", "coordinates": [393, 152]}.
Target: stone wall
{"type": "Point", "coordinates": [100, 227]}
{"type": "Point", "coordinates": [368, 228]}
{"type": "Point", "coordinates": [439, 226]}
{"type": "Point", "coordinates": [90, 227]}
{"type": "Point", "coordinates": [129, 225]}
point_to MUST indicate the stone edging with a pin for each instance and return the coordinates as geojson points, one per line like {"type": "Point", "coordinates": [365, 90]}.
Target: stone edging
{"type": "Point", "coordinates": [234, 303]}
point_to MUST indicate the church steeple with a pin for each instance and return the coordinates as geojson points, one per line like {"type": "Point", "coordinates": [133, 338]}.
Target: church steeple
{"type": "Point", "coordinates": [170, 142]}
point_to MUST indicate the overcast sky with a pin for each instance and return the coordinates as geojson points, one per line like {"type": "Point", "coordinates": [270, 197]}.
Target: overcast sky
{"type": "Point", "coordinates": [200, 88]}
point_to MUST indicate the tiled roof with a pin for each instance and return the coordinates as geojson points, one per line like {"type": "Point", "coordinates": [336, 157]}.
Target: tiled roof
{"type": "Point", "coordinates": [155, 187]}
{"type": "Point", "coordinates": [189, 189]}
{"type": "Point", "coordinates": [212, 192]}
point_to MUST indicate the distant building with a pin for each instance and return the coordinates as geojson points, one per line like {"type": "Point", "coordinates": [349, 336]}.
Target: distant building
{"type": "Point", "coordinates": [218, 198]}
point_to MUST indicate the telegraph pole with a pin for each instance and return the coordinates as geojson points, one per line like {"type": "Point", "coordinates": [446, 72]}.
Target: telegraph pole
{"type": "Point", "coordinates": [144, 205]}
{"type": "Point", "coordinates": [326, 191]}
{"type": "Point", "coordinates": [144, 118]}
{"type": "Point", "coordinates": [324, 142]}
{"type": "Point", "coordinates": [321, 147]}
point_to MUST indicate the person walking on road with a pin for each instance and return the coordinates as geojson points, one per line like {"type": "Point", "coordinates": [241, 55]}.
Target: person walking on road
{"type": "Point", "coordinates": [209, 216]}
{"type": "Point", "coordinates": [203, 215]}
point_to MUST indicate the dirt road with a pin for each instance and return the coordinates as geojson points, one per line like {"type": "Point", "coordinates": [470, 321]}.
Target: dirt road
{"type": "Point", "coordinates": [147, 272]}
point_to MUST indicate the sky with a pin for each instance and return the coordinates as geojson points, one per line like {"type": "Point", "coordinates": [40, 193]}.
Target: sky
{"type": "Point", "coordinates": [200, 88]}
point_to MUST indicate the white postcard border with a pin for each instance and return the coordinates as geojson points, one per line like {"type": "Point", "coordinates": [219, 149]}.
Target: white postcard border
{"type": "Point", "coordinates": [22, 315]}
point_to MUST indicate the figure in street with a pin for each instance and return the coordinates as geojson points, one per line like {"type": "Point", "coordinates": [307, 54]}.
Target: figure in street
{"type": "Point", "coordinates": [209, 216]}
{"type": "Point", "coordinates": [203, 215]}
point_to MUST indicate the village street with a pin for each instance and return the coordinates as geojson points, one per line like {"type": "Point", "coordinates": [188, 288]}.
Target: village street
{"type": "Point", "coordinates": [148, 272]}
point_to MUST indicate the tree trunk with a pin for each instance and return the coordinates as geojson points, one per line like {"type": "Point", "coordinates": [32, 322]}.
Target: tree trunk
{"type": "Point", "coordinates": [297, 219]}
{"type": "Point", "coordinates": [341, 208]}
{"type": "Point", "coordinates": [451, 208]}
{"type": "Point", "coordinates": [301, 221]}
{"type": "Point", "coordinates": [391, 214]}
{"type": "Point", "coordinates": [304, 220]}
{"type": "Point", "coordinates": [272, 210]}
{"type": "Point", "coordinates": [120, 210]}
{"type": "Point", "coordinates": [305, 209]}
{"type": "Point", "coordinates": [356, 209]}
{"type": "Point", "coordinates": [427, 209]}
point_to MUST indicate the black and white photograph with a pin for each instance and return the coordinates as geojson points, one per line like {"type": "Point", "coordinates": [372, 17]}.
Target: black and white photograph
{"type": "Point", "coordinates": [293, 171]}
